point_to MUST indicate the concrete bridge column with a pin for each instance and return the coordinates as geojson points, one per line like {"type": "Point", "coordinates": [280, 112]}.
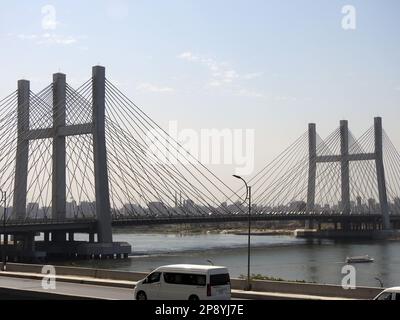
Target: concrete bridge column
{"type": "Point", "coordinates": [91, 237]}
{"type": "Point", "coordinates": [103, 211]}
{"type": "Point", "coordinates": [22, 153]}
{"type": "Point", "coordinates": [345, 166]}
{"type": "Point", "coordinates": [59, 162]}
{"type": "Point", "coordinates": [380, 171]}
{"type": "Point", "coordinates": [312, 172]}
{"type": "Point", "coordinates": [29, 242]}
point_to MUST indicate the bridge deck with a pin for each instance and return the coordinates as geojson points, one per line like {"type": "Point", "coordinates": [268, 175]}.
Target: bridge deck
{"type": "Point", "coordinates": [89, 225]}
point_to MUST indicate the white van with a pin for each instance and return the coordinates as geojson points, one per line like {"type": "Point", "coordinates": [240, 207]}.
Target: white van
{"type": "Point", "coordinates": [389, 294]}
{"type": "Point", "coordinates": [185, 282]}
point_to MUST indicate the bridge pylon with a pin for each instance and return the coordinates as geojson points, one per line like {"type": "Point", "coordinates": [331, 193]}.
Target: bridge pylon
{"type": "Point", "coordinates": [58, 133]}
{"type": "Point", "coordinates": [345, 158]}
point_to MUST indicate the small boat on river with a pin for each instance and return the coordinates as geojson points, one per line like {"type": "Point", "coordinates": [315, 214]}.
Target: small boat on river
{"type": "Point", "coordinates": [360, 259]}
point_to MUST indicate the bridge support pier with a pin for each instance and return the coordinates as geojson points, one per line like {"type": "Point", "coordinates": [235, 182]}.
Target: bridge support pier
{"type": "Point", "coordinates": [91, 237]}
{"type": "Point", "coordinates": [103, 210]}
{"type": "Point", "coordinates": [345, 166]}
{"type": "Point", "coordinates": [312, 172]}
{"type": "Point", "coordinates": [22, 153]}
{"type": "Point", "coordinates": [309, 224]}
{"type": "Point", "coordinates": [59, 162]}
{"type": "Point", "coordinates": [380, 171]}
{"type": "Point", "coordinates": [29, 242]}
{"type": "Point", "coordinates": [345, 226]}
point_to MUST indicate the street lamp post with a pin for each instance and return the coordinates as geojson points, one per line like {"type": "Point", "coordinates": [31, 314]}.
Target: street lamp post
{"type": "Point", "coordinates": [248, 196]}
{"type": "Point", "coordinates": [3, 247]}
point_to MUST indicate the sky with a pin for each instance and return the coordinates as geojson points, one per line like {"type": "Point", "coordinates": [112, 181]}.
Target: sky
{"type": "Point", "coordinates": [263, 65]}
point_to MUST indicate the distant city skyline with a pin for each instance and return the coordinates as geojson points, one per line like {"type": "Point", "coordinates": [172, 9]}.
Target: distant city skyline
{"type": "Point", "coordinates": [86, 209]}
{"type": "Point", "coordinates": [284, 65]}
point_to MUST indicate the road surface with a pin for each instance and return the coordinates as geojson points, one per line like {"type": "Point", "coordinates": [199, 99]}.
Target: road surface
{"type": "Point", "coordinates": [69, 289]}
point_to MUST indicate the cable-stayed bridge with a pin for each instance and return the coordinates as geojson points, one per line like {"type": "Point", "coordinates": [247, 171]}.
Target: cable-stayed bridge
{"type": "Point", "coordinates": [82, 160]}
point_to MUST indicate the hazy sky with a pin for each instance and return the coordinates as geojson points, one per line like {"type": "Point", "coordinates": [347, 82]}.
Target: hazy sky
{"type": "Point", "coordinates": [271, 66]}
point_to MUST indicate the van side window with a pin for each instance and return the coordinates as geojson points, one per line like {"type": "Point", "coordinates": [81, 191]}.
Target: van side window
{"type": "Point", "coordinates": [397, 297]}
{"type": "Point", "coordinates": [385, 296]}
{"type": "Point", "coordinates": [220, 279]}
{"type": "Point", "coordinates": [154, 277]}
{"type": "Point", "coordinates": [185, 279]}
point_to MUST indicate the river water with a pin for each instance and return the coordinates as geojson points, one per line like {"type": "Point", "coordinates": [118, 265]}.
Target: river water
{"type": "Point", "coordinates": [284, 257]}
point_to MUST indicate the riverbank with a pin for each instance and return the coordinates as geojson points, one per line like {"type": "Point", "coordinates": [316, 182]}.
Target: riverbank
{"type": "Point", "coordinates": [262, 232]}
{"type": "Point", "coordinates": [237, 228]}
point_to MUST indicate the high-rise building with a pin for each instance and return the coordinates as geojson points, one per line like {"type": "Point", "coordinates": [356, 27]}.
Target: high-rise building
{"type": "Point", "coordinates": [86, 209]}
{"type": "Point", "coordinates": [371, 204]}
{"type": "Point", "coordinates": [32, 209]}
{"type": "Point", "coordinates": [157, 208]}
{"type": "Point", "coordinates": [359, 202]}
{"type": "Point", "coordinates": [71, 209]}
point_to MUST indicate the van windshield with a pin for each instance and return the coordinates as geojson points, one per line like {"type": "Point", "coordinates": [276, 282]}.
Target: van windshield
{"type": "Point", "coordinates": [220, 279]}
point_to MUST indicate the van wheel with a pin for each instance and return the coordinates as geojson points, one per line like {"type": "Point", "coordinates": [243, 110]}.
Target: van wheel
{"type": "Point", "coordinates": [141, 296]}
{"type": "Point", "coordinates": [194, 298]}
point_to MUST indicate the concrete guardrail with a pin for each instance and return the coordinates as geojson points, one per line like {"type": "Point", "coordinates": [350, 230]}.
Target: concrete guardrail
{"type": "Point", "coordinates": [237, 284]}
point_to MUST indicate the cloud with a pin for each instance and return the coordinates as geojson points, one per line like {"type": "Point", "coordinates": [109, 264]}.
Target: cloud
{"type": "Point", "coordinates": [148, 87]}
{"type": "Point", "coordinates": [221, 72]}
{"type": "Point", "coordinates": [250, 93]}
{"type": "Point", "coordinates": [254, 75]}
{"type": "Point", "coordinates": [27, 37]}
{"type": "Point", "coordinates": [223, 75]}
{"type": "Point", "coordinates": [50, 39]}
{"type": "Point", "coordinates": [188, 56]}
{"type": "Point", "coordinates": [285, 98]}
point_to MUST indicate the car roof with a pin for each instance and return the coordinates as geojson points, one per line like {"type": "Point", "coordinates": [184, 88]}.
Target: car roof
{"type": "Point", "coordinates": [192, 267]}
{"type": "Point", "coordinates": [396, 289]}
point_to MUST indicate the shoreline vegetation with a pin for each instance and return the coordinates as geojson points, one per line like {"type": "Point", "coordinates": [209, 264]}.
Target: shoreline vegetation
{"type": "Point", "coordinates": [257, 229]}
{"type": "Point", "coordinates": [269, 278]}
